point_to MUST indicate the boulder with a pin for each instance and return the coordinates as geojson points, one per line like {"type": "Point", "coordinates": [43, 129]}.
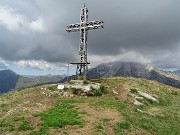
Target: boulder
{"type": "Point", "coordinates": [137, 103]}
{"type": "Point", "coordinates": [86, 88]}
{"type": "Point", "coordinates": [115, 92]}
{"type": "Point", "coordinates": [60, 87]}
{"type": "Point", "coordinates": [147, 96]}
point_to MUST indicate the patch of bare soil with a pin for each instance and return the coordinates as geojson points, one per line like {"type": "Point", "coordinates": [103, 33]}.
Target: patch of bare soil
{"type": "Point", "coordinates": [122, 93]}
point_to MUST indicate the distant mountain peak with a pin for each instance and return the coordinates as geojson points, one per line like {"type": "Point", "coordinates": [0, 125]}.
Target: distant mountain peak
{"type": "Point", "coordinates": [134, 69]}
{"type": "Point", "coordinates": [177, 72]}
{"type": "Point", "coordinates": [8, 71]}
{"type": "Point", "coordinates": [9, 80]}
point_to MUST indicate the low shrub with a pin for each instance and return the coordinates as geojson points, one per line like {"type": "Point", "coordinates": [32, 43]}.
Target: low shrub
{"type": "Point", "coordinates": [76, 91]}
{"type": "Point", "coordinates": [99, 92]}
{"type": "Point", "coordinates": [85, 82]}
{"type": "Point", "coordinates": [52, 87]}
{"type": "Point", "coordinates": [135, 91]}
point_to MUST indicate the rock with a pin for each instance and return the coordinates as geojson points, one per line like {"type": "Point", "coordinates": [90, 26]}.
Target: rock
{"type": "Point", "coordinates": [71, 95]}
{"type": "Point", "coordinates": [38, 104]}
{"type": "Point", "coordinates": [95, 86]}
{"type": "Point", "coordinates": [137, 103]}
{"type": "Point", "coordinates": [60, 87]}
{"type": "Point", "coordinates": [26, 102]}
{"type": "Point", "coordinates": [86, 88]}
{"type": "Point", "coordinates": [132, 95]}
{"type": "Point", "coordinates": [43, 93]}
{"type": "Point", "coordinates": [139, 98]}
{"type": "Point", "coordinates": [145, 95]}
{"type": "Point", "coordinates": [140, 111]}
{"type": "Point", "coordinates": [24, 109]}
{"type": "Point", "coordinates": [115, 92]}
{"type": "Point", "coordinates": [67, 94]}
{"type": "Point", "coordinates": [83, 94]}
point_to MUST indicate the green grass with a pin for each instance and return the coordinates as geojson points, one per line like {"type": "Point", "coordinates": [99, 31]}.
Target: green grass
{"type": "Point", "coordinates": [25, 126]}
{"type": "Point", "coordinates": [10, 124]}
{"type": "Point", "coordinates": [41, 131]}
{"type": "Point", "coordinates": [99, 130]}
{"type": "Point", "coordinates": [59, 116]}
{"type": "Point", "coordinates": [4, 107]}
{"type": "Point", "coordinates": [166, 124]}
{"type": "Point", "coordinates": [124, 125]}
{"type": "Point", "coordinates": [112, 104]}
{"type": "Point", "coordinates": [162, 123]}
{"type": "Point", "coordinates": [99, 127]}
{"type": "Point", "coordinates": [105, 120]}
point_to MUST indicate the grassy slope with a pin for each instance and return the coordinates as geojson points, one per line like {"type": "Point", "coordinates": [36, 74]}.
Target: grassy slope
{"type": "Point", "coordinates": [31, 112]}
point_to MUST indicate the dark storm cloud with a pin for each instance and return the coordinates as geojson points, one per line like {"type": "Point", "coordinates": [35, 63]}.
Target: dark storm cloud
{"type": "Point", "coordinates": [149, 28]}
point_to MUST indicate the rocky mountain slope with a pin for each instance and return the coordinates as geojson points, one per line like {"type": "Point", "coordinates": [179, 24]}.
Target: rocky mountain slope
{"type": "Point", "coordinates": [128, 106]}
{"type": "Point", "coordinates": [130, 69]}
{"type": "Point", "coordinates": [177, 72]}
{"type": "Point", "coordinates": [9, 80]}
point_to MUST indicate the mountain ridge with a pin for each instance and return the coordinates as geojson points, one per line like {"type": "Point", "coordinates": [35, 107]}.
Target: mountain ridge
{"type": "Point", "coordinates": [177, 72]}
{"type": "Point", "coordinates": [133, 69]}
{"type": "Point", "coordinates": [9, 80]}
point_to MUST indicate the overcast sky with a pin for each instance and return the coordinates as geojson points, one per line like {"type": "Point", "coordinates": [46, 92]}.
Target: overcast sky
{"type": "Point", "coordinates": [33, 37]}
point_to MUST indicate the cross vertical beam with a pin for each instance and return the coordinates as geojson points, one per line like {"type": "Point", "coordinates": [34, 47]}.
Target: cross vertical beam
{"type": "Point", "coordinates": [83, 27]}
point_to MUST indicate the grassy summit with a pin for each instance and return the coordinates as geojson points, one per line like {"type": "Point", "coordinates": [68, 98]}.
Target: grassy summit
{"type": "Point", "coordinates": [41, 110]}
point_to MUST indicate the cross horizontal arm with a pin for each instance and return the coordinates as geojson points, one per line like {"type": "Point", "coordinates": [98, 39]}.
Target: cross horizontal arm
{"type": "Point", "coordinates": [97, 24]}
{"type": "Point", "coordinates": [73, 27]}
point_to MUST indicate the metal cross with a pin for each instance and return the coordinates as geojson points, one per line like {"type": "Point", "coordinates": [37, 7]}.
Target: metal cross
{"type": "Point", "coordinates": [83, 27]}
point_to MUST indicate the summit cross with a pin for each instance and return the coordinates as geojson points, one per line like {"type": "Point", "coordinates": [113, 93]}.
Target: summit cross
{"type": "Point", "coordinates": [83, 27]}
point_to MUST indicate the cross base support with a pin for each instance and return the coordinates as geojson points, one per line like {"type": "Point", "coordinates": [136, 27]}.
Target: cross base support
{"type": "Point", "coordinates": [81, 70]}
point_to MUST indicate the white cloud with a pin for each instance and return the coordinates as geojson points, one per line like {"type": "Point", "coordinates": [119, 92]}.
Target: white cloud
{"type": "Point", "coordinates": [37, 25]}
{"type": "Point", "coordinates": [125, 56]}
{"type": "Point", "coordinates": [3, 64]}
{"type": "Point", "coordinates": [10, 19]}
{"type": "Point", "coordinates": [16, 22]}
{"type": "Point", "coordinates": [39, 65]}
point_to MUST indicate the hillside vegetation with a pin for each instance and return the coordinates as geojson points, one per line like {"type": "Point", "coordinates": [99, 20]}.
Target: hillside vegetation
{"type": "Point", "coordinates": [43, 111]}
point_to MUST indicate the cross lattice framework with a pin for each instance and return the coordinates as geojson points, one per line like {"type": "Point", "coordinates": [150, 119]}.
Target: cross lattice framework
{"type": "Point", "coordinates": [83, 27]}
